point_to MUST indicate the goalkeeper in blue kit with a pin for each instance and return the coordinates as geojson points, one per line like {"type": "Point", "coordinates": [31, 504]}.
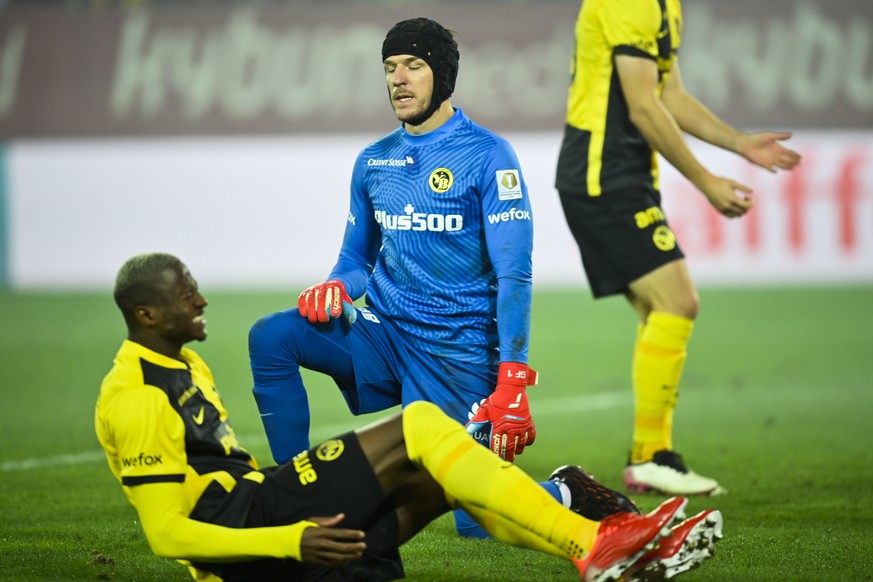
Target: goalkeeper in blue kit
{"type": "Point", "coordinates": [439, 239]}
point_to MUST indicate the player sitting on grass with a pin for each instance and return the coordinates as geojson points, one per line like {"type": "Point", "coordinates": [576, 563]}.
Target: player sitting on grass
{"type": "Point", "coordinates": [340, 510]}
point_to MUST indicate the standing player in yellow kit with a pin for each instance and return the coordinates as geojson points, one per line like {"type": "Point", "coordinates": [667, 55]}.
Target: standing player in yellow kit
{"type": "Point", "coordinates": [626, 104]}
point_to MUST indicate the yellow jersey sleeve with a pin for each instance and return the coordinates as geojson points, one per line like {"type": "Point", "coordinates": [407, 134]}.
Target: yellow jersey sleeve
{"type": "Point", "coordinates": [171, 534]}
{"type": "Point", "coordinates": [632, 25]}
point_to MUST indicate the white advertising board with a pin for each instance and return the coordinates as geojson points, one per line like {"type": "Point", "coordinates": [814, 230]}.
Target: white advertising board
{"type": "Point", "coordinates": [269, 212]}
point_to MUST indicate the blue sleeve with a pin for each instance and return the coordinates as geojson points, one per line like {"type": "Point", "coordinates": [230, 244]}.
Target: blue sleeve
{"type": "Point", "coordinates": [361, 241]}
{"type": "Point", "coordinates": [509, 238]}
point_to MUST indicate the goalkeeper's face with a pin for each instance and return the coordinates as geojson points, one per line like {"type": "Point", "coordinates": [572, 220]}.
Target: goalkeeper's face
{"type": "Point", "coordinates": [180, 309]}
{"type": "Point", "coordinates": [410, 85]}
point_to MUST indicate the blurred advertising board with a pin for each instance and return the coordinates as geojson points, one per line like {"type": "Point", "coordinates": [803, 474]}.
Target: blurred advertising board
{"type": "Point", "coordinates": [272, 68]}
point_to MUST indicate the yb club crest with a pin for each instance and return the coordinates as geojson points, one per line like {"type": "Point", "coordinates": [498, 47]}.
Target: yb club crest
{"type": "Point", "coordinates": [440, 180]}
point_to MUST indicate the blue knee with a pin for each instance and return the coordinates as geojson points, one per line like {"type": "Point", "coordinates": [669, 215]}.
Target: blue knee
{"type": "Point", "coordinates": [276, 334]}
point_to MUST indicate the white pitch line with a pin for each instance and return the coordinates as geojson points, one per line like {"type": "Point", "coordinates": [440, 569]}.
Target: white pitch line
{"type": "Point", "coordinates": [39, 463]}
{"type": "Point", "coordinates": [581, 403]}
{"type": "Point", "coordinates": [574, 405]}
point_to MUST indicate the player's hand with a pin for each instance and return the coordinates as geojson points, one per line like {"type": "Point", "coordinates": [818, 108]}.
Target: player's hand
{"type": "Point", "coordinates": [763, 149]}
{"type": "Point", "coordinates": [327, 300]}
{"type": "Point", "coordinates": [729, 198]}
{"type": "Point", "coordinates": [327, 545]}
{"type": "Point", "coordinates": [505, 415]}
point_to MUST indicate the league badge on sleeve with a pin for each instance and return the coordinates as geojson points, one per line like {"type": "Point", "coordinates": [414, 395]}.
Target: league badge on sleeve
{"type": "Point", "coordinates": [508, 185]}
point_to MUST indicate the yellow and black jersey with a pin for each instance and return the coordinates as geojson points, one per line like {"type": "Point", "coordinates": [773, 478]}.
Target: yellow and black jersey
{"type": "Point", "coordinates": [165, 432]}
{"type": "Point", "coordinates": [162, 420]}
{"type": "Point", "coordinates": [602, 149]}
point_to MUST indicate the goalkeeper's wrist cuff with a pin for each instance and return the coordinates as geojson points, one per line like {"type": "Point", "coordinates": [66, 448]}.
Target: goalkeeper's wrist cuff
{"type": "Point", "coordinates": [516, 374]}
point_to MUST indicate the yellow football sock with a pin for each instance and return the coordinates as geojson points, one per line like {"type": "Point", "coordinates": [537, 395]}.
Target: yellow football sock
{"type": "Point", "coordinates": [512, 507]}
{"type": "Point", "coordinates": [509, 532]}
{"type": "Point", "coordinates": [659, 357]}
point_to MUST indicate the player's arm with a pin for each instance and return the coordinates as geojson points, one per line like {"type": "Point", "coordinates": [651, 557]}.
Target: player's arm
{"type": "Point", "coordinates": [639, 84]}
{"type": "Point", "coordinates": [509, 243]}
{"type": "Point", "coordinates": [361, 241]}
{"type": "Point", "coordinates": [143, 420]}
{"type": "Point", "coordinates": [348, 279]}
{"type": "Point", "coordinates": [171, 534]}
{"type": "Point", "coordinates": [693, 117]}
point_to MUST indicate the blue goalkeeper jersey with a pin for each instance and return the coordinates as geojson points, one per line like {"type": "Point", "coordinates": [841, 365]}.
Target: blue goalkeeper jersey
{"type": "Point", "coordinates": [439, 236]}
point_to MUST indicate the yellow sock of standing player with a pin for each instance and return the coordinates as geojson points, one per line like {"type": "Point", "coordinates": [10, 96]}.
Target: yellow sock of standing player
{"type": "Point", "coordinates": [658, 361]}
{"type": "Point", "coordinates": [508, 503]}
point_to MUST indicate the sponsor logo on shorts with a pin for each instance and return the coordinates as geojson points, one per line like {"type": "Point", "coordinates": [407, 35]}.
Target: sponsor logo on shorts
{"type": "Point", "coordinates": [304, 469]}
{"type": "Point", "coordinates": [142, 460]}
{"type": "Point", "coordinates": [441, 180]}
{"type": "Point", "coordinates": [330, 450]}
{"type": "Point", "coordinates": [508, 185]}
{"type": "Point", "coordinates": [664, 238]}
{"type": "Point", "coordinates": [648, 217]}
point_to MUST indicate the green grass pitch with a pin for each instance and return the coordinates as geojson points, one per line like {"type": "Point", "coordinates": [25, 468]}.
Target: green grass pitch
{"type": "Point", "coordinates": [776, 402]}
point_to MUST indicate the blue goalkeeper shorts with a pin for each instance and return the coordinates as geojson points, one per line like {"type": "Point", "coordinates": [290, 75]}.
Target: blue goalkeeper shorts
{"type": "Point", "coordinates": [409, 373]}
{"type": "Point", "coordinates": [369, 361]}
{"type": "Point", "coordinates": [373, 367]}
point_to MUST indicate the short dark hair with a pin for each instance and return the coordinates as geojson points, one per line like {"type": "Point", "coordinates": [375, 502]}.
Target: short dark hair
{"type": "Point", "coordinates": [138, 281]}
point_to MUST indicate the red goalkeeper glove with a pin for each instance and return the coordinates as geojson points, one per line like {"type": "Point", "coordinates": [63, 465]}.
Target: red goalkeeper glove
{"type": "Point", "coordinates": [505, 415]}
{"type": "Point", "coordinates": [327, 300]}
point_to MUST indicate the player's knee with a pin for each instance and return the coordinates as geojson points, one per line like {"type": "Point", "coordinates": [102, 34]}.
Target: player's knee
{"type": "Point", "coordinates": [686, 304]}
{"type": "Point", "coordinates": [422, 421]}
{"type": "Point", "coordinates": [420, 412]}
{"type": "Point", "coordinates": [689, 306]}
{"type": "Point", "coordinates": [273, 331]}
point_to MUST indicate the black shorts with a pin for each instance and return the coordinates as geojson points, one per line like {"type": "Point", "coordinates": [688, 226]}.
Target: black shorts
{"type": "Point", "coordinates": [333, 477]}
{"type": "Point", "coordinates": [622, 235]}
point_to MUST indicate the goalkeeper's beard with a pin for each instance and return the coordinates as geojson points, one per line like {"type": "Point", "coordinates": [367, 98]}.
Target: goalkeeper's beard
{"type": "Point", "coordinates": [419, 118]}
